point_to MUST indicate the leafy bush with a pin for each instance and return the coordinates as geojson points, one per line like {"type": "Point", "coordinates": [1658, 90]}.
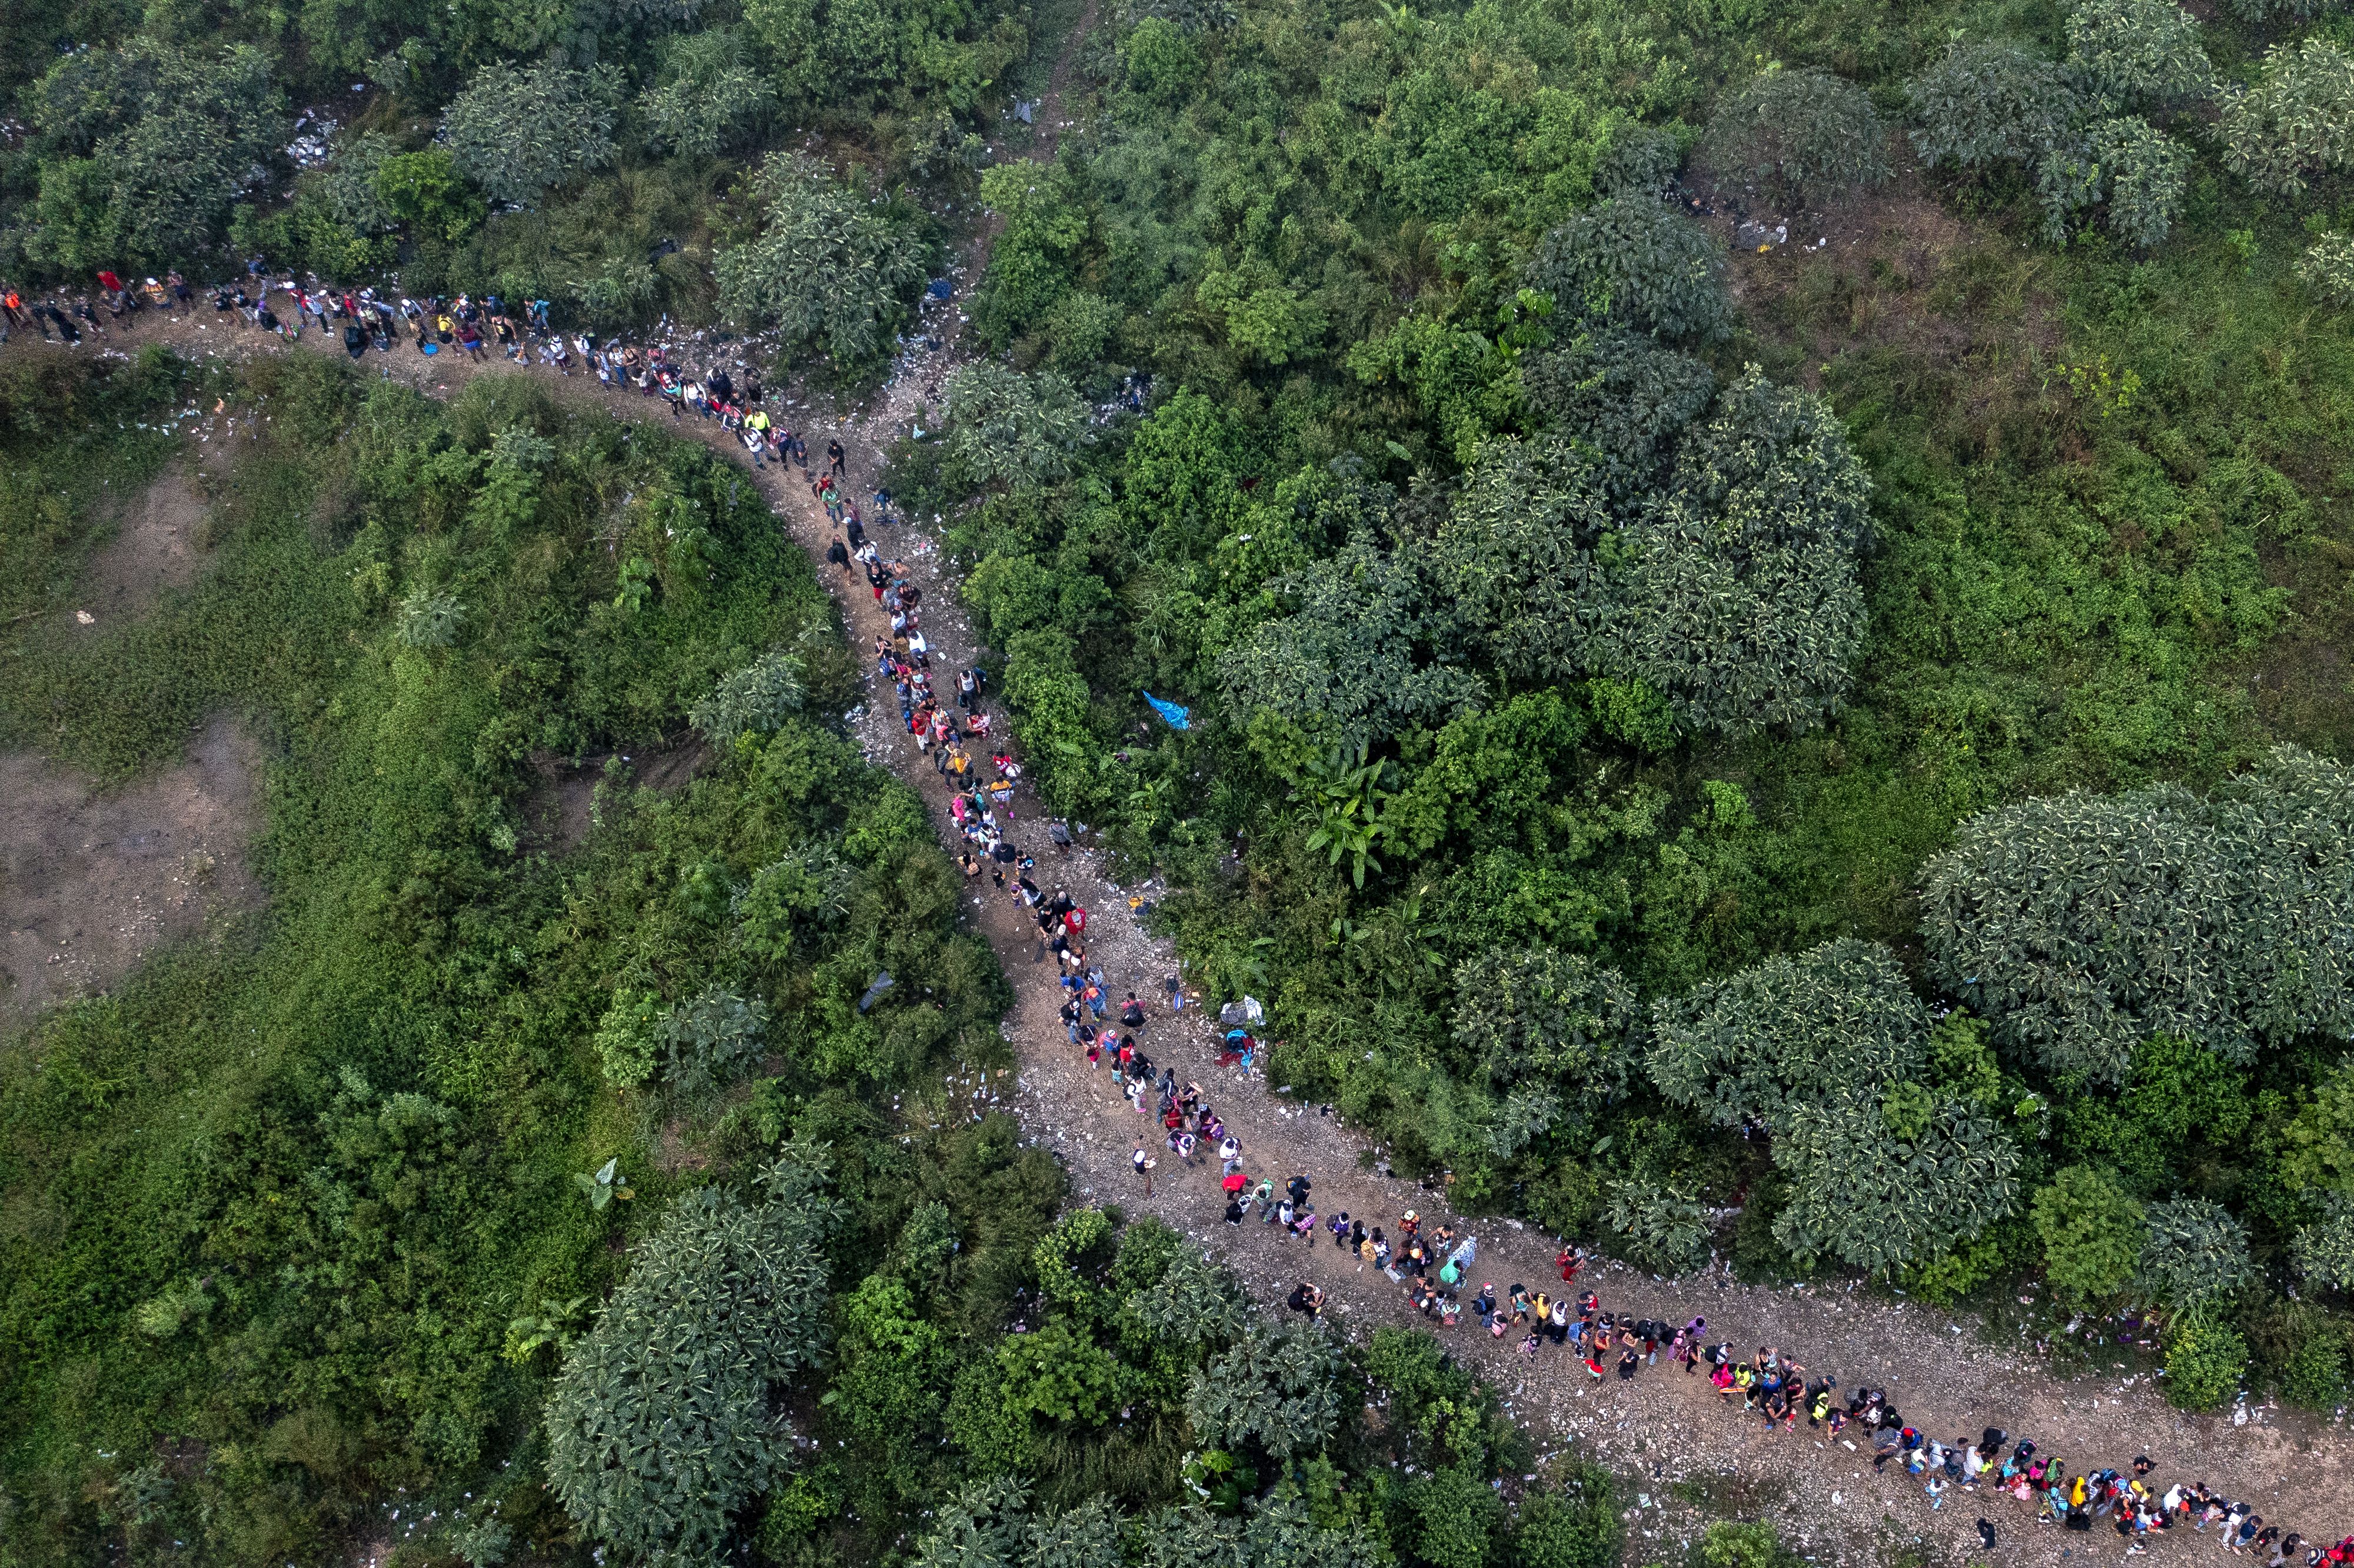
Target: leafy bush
{"type": "Point", "coordinates": [2314, 1375]}
{"type": "Point", "coordinates": [1278, 1387]}
{"type": "Point", "coordinates": [1730, 1545]}
{"type": "Point", "coordinates": [1194, 1302]}
{"type": "Point", "coordinates": [1804, 135]}
{"type": "Point", "coordinates": [1161, 61]}
{"type": "Point", "coordinates": [1633, 261]}
{"type": "Point", "coordinates": [659, 1426]}
{"type": "Point", "coordinates": [806, 890]}
{"type": "Point", "coordinates": [2194, 1251]}
{"type": "Point", "coordinates": [2081, 925]}
{"type": "Point", "coordinates": [1354, 649]}
{"type": "Point", "coordinates": [429, 619]}
{"type": "Point", "coordinates": [1010, 429]}
{"type": "Point", "coordinates": [1571, 1523]}
{"type": "Point", "coordinates": [2204, 1360]}
{"type": "Point", "coordinates": [989, 1525]}
{"type": "Point", "coordinates": [2315, 1147]}
{"type": "Point", "coordinates": [709, 96]}
{"type": "Point", "coordinates": [144, 148]}
{"type": "Point", "coordinates": [1622, 396]}
{"type": "Point", "coordinates": [1545, 1016]}
{"type": "Point", "coordinates": [2143, 174]}
{"type": "Point", "coordinates": [2266, 13]}
{"type": "Point", "coordinates": [1736, 599]}
{"type": "Point", "coordinates": [1060, 1374]}
{"type": "Point", "coordinates": [1758, 1045]}
{"type": "Point", "coordinates": [1660, 1225]}
{"type": "Point", "coordinates": [714, 1040]}
{"type": "Point", "coordinates": [754, 700]}
{"type": "Point", "coordinates": [517, 134]}
{"type": "Point", "coordinates": [628, 1034]}
{"type": "Point", "coordinates": [1639, 160]}
{"type": "Point", "coordinates": [2125, 54]}
{"type": "Point", "coordinates": [1985, 103]}
{"type": "Point", "coordinates": [2328, 268]}
{"type": "Point", "coordinates": [2092, 1231]}
{"type": "Point", "coordinates": [424, 190]}
{"type": "Point", "coordinates": [1878, 1196]}
{"type": "Point", "coordinates": [1946, 1279]}
{"type": "Point", "coordinates": [1515, 558]}
{"type": "Point", "coordinates": [2323, 1253]}
{"type": "Point", "coordinates": [831, 273]}
{"type": "Point", "coordinates": [349, 187]}
{"type": "Point", "coordinates": [2296, 122]}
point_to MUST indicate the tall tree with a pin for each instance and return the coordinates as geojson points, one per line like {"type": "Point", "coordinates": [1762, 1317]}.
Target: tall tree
{"type": "Point", "coordinates": [664, 1421]}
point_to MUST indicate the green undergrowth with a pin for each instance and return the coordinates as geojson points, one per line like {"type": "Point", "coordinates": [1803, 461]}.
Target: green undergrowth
{"type": "Point", "coordinates": [273, 1210]}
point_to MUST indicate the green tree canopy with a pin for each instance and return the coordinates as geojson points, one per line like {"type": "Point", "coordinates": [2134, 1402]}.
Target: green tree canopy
{"type": "Point", "coordinates": [1361, 647]}
{"type": "Point", "coordinates": [2133, 54]}
{"type": "Point", "coordinates": [1986, 103]}
{"type": "Point", "coordinates": [2083, 925]}
{"type": "Point", "coordinates": [1515, 558]}
{"type": "Point", "coordinates": [1876, 1195]}
{"type": "Point", "coordinates": [2296, 122]}
{"type": "Point", "coordinates": [1010, 429]}
{"type": "Point", "coordinates": [2193, 1251]}
{"type": "Point", "coordinates": [1635, 262]}
{"type": "Point", "coordinates": [1660, 1222]}
{"type": "Point", "coordinates": [662, 1422]}
{"type": "Point", "coordinates": [1804, 135]}
{"type": "Point", "coordinates": [1622, 399]}
{"type": "Point", "coordinates": [2091, 1233]}
{"type": "Point", "coordinates": [2323, 1252]}
{"type": "Point", "coordinates": [144, 150]}
{"type": "Point", "coordinates": [1278, 1387]}
{"type": "Point", "coordinates": [517, 134]}
{"type": "Point", "coordinates": [1194, 1302]}
{"type": "Point", "coordinates": [1540, 1015]}
{"type": "Point", "coordinates": [830, 271]}
{"type": "Point", "coordinates": [2143, 174]}
{"type": "Point", "coordinates": [1889, 1161]}
{"type": "Point", "coordinates": [1764, 1041]}
{"type": "Point", "coordinates": [708, 97]}
{"type": "Point", "coordinates": [1736, 598]}
{"type": "Point", "coordinates": [754, 700]}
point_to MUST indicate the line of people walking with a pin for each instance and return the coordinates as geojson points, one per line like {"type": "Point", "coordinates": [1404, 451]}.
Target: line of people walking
{"type": "Point", "coordinates": [520, 334]}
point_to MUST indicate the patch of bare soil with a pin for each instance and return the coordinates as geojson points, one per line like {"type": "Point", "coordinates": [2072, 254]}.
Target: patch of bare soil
{"type": "Point", "coordinates": [559, 809]}
{"type": "Point", "coordinates": [92, 883]}
{"type": "Point", "coordinates": [158, 543]}
{"type": "Point", "coordinates": [1964, 308]}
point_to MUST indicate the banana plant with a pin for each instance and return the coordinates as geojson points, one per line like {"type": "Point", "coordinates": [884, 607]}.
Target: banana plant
{"type": "Point", "coordinates": [1152, 801]}
{"type": "Point", "coordinates": [1342, 789]}
{"type": "Point", "coordinates": [550, 1326]}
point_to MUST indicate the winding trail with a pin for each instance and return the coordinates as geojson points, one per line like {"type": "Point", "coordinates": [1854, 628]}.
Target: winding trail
{"type": "Point", "coordinates": [1689, 1458]}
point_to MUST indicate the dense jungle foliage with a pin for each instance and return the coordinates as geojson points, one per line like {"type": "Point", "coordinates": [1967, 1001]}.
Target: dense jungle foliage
{"type": "Point", "coordinates": [496, 1197]}
{"type": "Point", "coordinates": [1761, 588]}
{"type": "Point", "coordinates": [1761, 638]}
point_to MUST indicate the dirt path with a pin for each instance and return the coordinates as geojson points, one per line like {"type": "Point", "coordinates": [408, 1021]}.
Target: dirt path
{"type": "Point", "coordinates": [1049, 111]}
